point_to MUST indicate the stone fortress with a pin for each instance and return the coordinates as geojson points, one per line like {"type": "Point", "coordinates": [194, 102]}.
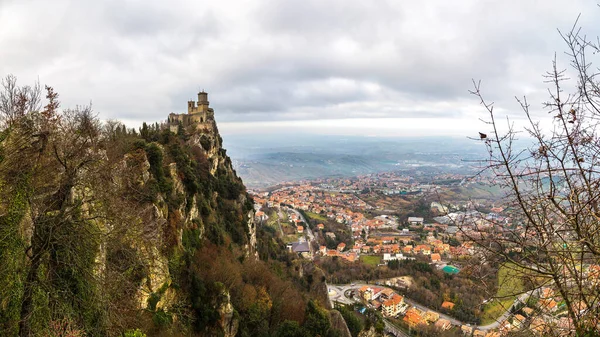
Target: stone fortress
{"type": "Point", "coordinates": [198, 115]}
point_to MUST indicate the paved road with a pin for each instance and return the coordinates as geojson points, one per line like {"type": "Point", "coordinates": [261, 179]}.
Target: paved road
{"type": "Point", "coordinates": [279, 216]}
{"type": "Point", "coordinates": [309, 233]}
{"type": "Point", "coordinates": [337, 294]}
{"type": "Point", "coordinates": [522, 298]}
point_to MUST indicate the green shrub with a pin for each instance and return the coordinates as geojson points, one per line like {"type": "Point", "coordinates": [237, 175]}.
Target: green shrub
{"type": "Point", "coordinates": [205, 142]}
{"type": "Point", "coordinates": [162, 318]}
{"type": "Point", "coordinates": [134, 333]}
{"type": "Point", "coordinates": [191, 239]}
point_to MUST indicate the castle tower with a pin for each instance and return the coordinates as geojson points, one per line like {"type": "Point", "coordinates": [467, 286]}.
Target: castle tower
{"type": "Point", "coordinates": [191, 107]}
{"type": "Point", "coordinates": [202, 101]}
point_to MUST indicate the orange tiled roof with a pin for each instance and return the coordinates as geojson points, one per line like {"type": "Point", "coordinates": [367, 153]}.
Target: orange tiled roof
{"type": "Point", "coordinates": [393, 301]}
{"type": "Point", "coordinates": [412, 317]}
{"type": "Point", "coordinates": [448, 305]}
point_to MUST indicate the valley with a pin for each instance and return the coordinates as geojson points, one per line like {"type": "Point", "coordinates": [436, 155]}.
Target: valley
{"type": "Point", "coordinates": [416, 232]}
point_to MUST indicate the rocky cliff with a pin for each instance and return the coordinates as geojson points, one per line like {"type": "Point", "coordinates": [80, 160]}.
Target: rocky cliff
{"type": "Point", "coordinates": [109, 231]}
{"type": "Point", "coordinates": [100, 226]}
{"type": "Point", "coordinates": [199, 197]}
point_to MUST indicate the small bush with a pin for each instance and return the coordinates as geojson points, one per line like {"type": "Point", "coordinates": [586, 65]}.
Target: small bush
{"type": "Point", "coordinates": [162, 318]}
{"type": "Point", "coordinates": [134, 333]}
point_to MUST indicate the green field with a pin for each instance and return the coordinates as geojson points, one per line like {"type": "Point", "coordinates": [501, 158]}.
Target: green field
{"type": "Point", "coordinates": [272, 221]}
{"type": "Point", "coordinates": [292, 238]}
{"type": "Point", "coordinates": [316, 216]}
{"type": "Point", "coordinates": [510, 285]}
{"type": "Point", "coordinates": [371, 260]}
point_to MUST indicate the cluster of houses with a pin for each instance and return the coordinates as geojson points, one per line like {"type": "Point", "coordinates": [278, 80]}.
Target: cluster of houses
{"type": "Point", "coordinates": [543, 318]}
{"type": "Point", "coordinates": [415, 317]}
{"type": "Point", "coordinates": [397, 245]}
{"type": "Point", "coordinates": [311, 198]}
{"type": "Point", "coordinates": [377, 236]}
{"type": "Point", "coordinates": [340, 252]}
{"type": "Point", "coordinates": [335, 206]}
{"type": "Point", "coordinates": [392, 305]}
{"type": "Point", "coordinates": [389, 302]}
{"type": "Point", "coordinates": [544, 315]}
{"type": "Point", "coordinates": [391, 244]}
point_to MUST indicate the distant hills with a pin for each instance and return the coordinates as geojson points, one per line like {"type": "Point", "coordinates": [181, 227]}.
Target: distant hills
{"type": "Point", "coordinates": [263, 160]}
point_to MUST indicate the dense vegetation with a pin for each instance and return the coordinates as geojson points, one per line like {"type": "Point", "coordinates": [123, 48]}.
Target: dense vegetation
{"type": "Point", "coordinates": [106, 231]}
{"type": "Point", "coordinates": [429, 286]}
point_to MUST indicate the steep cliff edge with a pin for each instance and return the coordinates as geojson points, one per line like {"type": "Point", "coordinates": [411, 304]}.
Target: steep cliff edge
{"type": "Point", "coordinates": [196, 200]}
{"type": "Point", "coordinates": [101, 227]}
{"type": "Point", "coordinates": [105, 231]}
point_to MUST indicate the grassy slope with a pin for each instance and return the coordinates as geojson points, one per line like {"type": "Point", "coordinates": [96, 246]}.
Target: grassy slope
{"type": "Point", "coordinates": [316, 216]}
{"type": "Point", "coordinates": [510, 285]}
{"type": "Point", "coordinates": [370, 260]}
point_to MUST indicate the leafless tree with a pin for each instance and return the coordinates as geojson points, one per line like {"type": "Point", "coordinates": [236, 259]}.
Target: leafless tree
{"type": "Point", "coordinates": [16, 101]}
{"type": "Point", "coordinates": [553, 195]}
{"type": "Point", "coordinates": [70, 212]}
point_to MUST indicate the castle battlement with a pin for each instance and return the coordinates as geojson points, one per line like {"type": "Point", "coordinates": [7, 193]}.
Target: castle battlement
{"type": "Point", "coordinates": [198, 114]}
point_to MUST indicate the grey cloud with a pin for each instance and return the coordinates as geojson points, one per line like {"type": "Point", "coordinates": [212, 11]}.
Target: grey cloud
{"type": "Point", "coordinates": [281, 60]}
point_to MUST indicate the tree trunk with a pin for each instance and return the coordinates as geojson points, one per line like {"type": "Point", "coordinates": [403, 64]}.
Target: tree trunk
{"type": "Point", "coordinates": [30, 285]}
{"type": "Point", "coordinates": [39, 245]}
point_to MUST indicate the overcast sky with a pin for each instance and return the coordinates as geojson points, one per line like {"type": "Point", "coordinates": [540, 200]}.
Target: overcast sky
{"type": "Point", "coordinates": [379, 67]}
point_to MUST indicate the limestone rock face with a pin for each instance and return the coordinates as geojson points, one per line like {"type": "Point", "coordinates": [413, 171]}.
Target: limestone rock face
{"type": "Point", "coordinates": [251, 247]}
{"type": "Point", "coordinates": [338, 323]}
{"type": "Point", "coordinates": [371, 332]}
{"type": "Point", "coordinates": [228, 322]}
{"type": "Point", "coordinates": [189, 216]}
{"type": "Point", "coordinates": [141, 208]}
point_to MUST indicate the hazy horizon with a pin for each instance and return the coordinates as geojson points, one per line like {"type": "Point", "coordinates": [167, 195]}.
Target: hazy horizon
{"type": "Point", "coordinates": [310, 66]}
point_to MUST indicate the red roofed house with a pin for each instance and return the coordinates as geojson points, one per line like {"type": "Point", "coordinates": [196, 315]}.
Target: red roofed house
{"type": "Point", "coordinates": [435, 257]}
{"type": "Point", "coordinates": [392, 306]}
{"type": "Point", "coordinates": [518, 320]}
{"type": "Point", "coordinates": [261, 215]}
{"type": "Point", "coordinates": [443, 324]}
{"type": "Point", "coordinates": [351, 257]}
{"type": "Point", "coordinates": [387, 293]}
{"type": "Point", "coordinates": [341, 246]}
{"type": "Point", "coordinates": [366, 292]}
{"type": "Point", "coordinates": [423, 249]}
{"type": "Point", "coordinates": [413, 318]}
{"type": "Point", "coordinates": [300, 229]}
{"type": "Point", "coordinates": [547, 304]}
{"type": "Point", "coordinates": [448, 305]}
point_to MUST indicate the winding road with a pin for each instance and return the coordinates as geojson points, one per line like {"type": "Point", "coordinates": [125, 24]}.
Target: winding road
{"type": "Point", "coordinates": [337, 293]}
